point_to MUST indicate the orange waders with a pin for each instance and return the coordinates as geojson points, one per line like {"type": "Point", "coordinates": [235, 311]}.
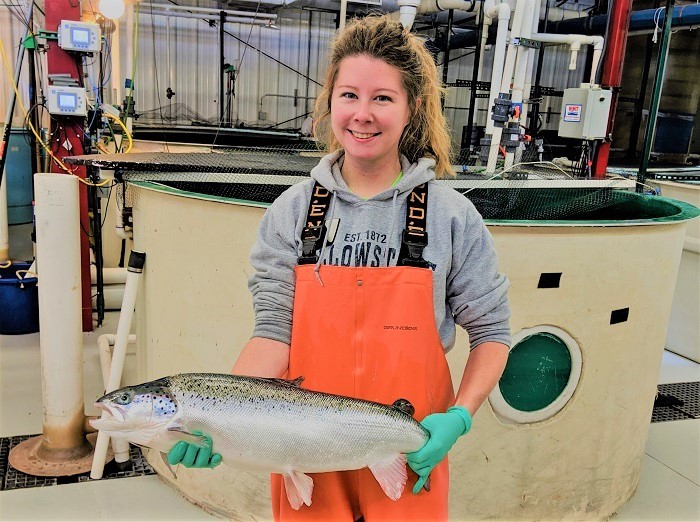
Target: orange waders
{"type": "Point", "coordinates": [368, 333]}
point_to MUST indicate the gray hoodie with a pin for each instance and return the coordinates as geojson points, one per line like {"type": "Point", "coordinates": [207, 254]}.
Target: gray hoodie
{"type": "Point", "coordinates": [468, 290]}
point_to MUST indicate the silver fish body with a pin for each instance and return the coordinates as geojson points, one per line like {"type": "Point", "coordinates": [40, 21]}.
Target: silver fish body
{"type": "Point", "coordinates": [268, 425]}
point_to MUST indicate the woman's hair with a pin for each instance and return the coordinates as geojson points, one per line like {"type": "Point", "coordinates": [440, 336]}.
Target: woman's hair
{"type": "Point", "coordinates": [379, 37]}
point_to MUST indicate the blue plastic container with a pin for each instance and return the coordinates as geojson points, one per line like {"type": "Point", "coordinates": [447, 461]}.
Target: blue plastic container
{"type": "Point", "coordinates": [19, 302]}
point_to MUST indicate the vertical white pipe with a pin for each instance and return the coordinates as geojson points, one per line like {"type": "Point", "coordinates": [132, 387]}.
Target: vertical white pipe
{"type": "Point", "coordinates": [343, 14]}
{"type": "Point", "coordinates": [530, 65]}
{"type": "Point", "coordinates": [499, 55]}
{"type": "Point", "coordinates": [133, 277]}
{"type": "Point", "coordinates": [4, 228]}
{"type": "Point", "coordinates": [521, 61]}
{"type": "Point", "coordinates": [116, 58]}
{"type": "Point", "coordinates": [505, 81]}
{"type": "Point", "coordinates": [57, 211]}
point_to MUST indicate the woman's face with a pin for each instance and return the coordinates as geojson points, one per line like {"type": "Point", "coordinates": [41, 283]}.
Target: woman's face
{"type": "Point", "coordinates": [369, 109]}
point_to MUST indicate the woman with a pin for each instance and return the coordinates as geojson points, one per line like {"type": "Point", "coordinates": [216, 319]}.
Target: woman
{"type": "Point", "coordinates": [363, 271]}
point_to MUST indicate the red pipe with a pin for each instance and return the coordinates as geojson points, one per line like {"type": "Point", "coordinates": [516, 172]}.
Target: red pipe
{"type": "Point", "coordinates": [69, 129]}
{"type": "Point", "coordinates": [612, 73]}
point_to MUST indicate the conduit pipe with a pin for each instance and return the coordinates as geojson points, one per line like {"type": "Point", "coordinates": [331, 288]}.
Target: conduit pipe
{"type": "Point", "coordinates": [112, 295]}
{"type": "Point", "coordinates": [202, 16]}
{"type": "Point", "coordinates": [104, 344]}
{"type": "Point", "coordinates": [110, 276]}
{"type": "Point", "coordinates": [62, 449]}
{"type": "Point", "coordinates": [575, 41]}
{"type": "Point", "coordinates": [231, 12]}
{"type": "Point", "coordinates": [527, 87]}
{"type": "Point", "coordinates": [135, 269]}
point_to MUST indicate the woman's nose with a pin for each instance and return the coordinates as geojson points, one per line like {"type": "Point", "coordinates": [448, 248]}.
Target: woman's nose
{"type": "Point", "coordinates": [363, 112]}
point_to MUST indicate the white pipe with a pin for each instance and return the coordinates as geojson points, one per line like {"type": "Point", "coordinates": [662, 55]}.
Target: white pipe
{"type": "Point", "coordinates": [503, 12]}
{"type": "Point", "coordinates": [521, 67]}
{"type": "Point", "coordinates": [407, 12]}
{"type": "Point", "coordinates": [133, 277]}
{"type": "Point", "coordinates": [202, 16]}
{"type": "Point", "coordinates": [120, 447]}
{"type": "Point", "coordinates": [343, 14]}
{"type": "Point", "coordinates": [113, 296]}
{"type": "Point", "coordinates": [4, 225]}
{"type": "Point", "coordinates": [508, 67]}
{"type": "Point", "coordinates": [173, 7]}
{"type": "Point", "coordinates": [57, 215]}
{"type": "Point", "coordinates": [110, 276]}
{"type": "Point", "coordinates": [116, 57]}
{"type": "Point", "coordinates": [435, 6]}
{"type": "Point", "coordinates": [575, 41]}
{"type": "Point", "coordinates": [527, 88]}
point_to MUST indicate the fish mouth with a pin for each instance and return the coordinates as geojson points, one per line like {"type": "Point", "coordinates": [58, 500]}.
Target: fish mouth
{"type": "Point", "coordinates": [110, 410]}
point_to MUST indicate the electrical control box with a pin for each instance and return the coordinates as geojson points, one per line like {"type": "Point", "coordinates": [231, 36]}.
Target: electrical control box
{"type": "Point", "coordinates": [67, 101]}
{"type": "Point", "coordinates": [585, 112]}
{"type": "Point", "coordinates": [79, 36]}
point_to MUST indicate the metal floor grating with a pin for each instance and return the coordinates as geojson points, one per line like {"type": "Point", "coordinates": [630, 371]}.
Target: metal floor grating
{"type": "Point", "coordinates": [677, 401]}
{"type": "Point", "coordinates": [12, 479]}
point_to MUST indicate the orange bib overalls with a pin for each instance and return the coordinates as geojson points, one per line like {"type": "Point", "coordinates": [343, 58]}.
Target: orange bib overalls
{"type": "Point", "coordinates": [368, 333]}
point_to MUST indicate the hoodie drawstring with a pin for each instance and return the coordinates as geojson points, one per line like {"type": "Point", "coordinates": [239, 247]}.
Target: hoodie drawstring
{"type": "Point", "coordinates": [317, 267]}
{"type": "Point", "coordinates": [393, 222]}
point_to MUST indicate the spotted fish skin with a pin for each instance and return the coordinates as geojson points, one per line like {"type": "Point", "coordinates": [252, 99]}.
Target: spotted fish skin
{"type": "Point", "coordinates": [268, 425]}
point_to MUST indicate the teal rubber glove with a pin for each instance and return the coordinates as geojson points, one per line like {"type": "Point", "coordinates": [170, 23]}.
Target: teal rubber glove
{"type": "Point", "coordinates": [193, 456]}
{"type": "Point", "coordinates": [444, 429]}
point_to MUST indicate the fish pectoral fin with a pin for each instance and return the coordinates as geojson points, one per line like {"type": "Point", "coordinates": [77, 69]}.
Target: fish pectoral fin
{"type": "Point", "coordinates": [193, 438]}
{"type": "Point", "coordinates": [299, 488]}
{"type": "Point", "coordinates": [391, 474]}
{"type": "Point", "coordinates": [164, 456]}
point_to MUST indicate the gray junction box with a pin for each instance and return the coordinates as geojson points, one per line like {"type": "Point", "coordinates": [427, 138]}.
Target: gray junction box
{"type": "Point", "coordinates": [584, 112]}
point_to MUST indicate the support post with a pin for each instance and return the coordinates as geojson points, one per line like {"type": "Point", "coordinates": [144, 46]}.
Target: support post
{"type": "Point", "coordinates": [656, 95]}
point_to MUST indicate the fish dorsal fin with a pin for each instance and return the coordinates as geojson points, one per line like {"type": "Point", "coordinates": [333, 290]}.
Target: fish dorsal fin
{"type": "Point", "coordinates": [299, 488]}
{"type": "Point", "coordinates": [404, 406]}
{"type": "Point", "coordinates": [391, 475]}
{"type": "Point", "coordinates": [295, 383]}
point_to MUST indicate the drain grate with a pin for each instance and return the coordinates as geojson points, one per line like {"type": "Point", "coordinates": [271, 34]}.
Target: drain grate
{"type": "Point", "coordinates": [677, 401]}
{"type": "Point", "coordinates": [10, 478]}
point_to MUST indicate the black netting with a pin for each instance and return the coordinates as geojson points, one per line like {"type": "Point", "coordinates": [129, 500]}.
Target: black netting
{"type": "Point", "coordinates": [529, 189]}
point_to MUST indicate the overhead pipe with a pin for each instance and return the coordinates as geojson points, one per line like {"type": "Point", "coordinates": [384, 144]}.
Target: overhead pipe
{"type": "Point", "coordinates": [194, 9]}
{"type": "Point", "coordinates": [574, 41]}
{"type": "Point", "coordinates": [229, 19]}
{"type": "Point", "coordinates": [685, 16]}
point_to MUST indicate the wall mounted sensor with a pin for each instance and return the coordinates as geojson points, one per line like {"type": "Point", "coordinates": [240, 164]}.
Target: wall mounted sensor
{"type": "Point", "coordinates": [79, 36]}
{"type": "Point", "coordinates": [67, 101]}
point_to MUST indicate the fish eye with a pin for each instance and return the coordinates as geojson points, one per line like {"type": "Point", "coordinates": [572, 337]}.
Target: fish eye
{"type": "Point", "coordinates": [123, 398]}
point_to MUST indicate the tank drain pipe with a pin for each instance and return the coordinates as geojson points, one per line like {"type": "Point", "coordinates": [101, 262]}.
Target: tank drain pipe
{"type": "Point", "coordinates": [575, 41]}
{"type": "Point", "coordinates": [104, 344]}
{"type": "Point", "coordinates": [133, 278]}
{"type": "Point", "coordinates": [502, 12]}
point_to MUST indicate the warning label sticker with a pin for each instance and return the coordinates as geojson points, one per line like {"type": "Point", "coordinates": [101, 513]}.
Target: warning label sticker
{"type": "Point", "coordinates": [572, 112]}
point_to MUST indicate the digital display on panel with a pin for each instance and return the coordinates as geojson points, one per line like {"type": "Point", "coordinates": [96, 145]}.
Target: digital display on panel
{"type": "Point", "coordinates": [80, 36]}
{"type": "Point", "coordinates": [67, 101]}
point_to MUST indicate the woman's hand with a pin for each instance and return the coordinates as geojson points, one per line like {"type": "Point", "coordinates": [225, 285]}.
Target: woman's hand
{"type": "Point", "coordinates": [444, 429]}
{"type": "Point", "coordinates": [193, 456]}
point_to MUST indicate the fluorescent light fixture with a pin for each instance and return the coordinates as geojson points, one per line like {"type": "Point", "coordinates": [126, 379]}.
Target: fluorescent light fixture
{"type": "Point", "coordinates": [112, 9]}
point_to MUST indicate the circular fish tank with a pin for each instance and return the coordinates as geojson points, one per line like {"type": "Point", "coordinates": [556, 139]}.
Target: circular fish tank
{"type": "Point", "coordinates": [563, 434]}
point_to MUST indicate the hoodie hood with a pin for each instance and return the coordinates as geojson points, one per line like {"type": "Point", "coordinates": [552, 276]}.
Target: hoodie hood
{"type": "Point", "coordinates": [327, 173]}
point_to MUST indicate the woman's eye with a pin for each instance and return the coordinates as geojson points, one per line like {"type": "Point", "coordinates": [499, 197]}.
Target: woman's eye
{"type": "Point", "coordinates": [383, 98]}
{"type": "Point", "coordinates": [350, 95]}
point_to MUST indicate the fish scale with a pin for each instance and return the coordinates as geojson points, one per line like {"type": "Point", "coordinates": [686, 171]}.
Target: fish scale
{"type": "Point", "coordinates": [268, 425]}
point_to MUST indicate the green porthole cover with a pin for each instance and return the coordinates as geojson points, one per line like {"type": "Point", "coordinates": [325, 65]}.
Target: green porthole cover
{"type": "Point", "coordinates": [537, 372]}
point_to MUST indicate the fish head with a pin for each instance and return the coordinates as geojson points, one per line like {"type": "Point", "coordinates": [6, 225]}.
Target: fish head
{"type": "Point", "coordinates": [136, 413]}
